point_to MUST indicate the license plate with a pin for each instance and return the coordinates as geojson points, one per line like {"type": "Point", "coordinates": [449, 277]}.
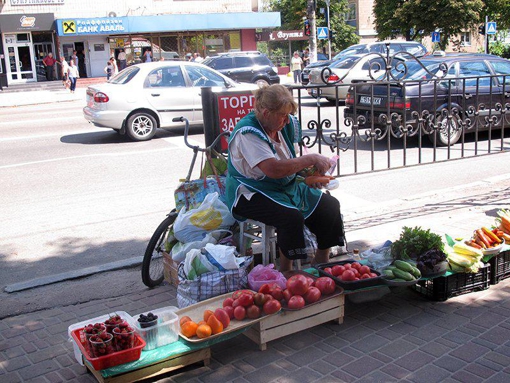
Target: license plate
{"type": "Point", "coordinates": [305, 76]}
{"type": "Point", "coordinates": [367, 100]}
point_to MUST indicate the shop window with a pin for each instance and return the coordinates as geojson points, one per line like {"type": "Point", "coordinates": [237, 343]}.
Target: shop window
{"type": "Point", "coordinates": [465, 39]}
{"type": "Point", "coordinates": [23, 37]}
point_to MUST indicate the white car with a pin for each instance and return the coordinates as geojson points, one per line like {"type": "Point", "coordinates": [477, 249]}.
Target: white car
{"type": "Point", "coordinates": [144, 97]}
{"type": "Point", "coordinates": [343, 71]}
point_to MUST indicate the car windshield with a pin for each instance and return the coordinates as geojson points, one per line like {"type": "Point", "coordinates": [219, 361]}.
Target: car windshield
{"type": "Point", "coordinates": [345, 63]}
{"type": "Point", "coordinates": [418, 72]}
{"type": "Point", "coordinates": [124, 76]}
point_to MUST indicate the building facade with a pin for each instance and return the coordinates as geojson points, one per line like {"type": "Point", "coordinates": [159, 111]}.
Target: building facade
{"type": "Point", "coordinates": [97, 30]}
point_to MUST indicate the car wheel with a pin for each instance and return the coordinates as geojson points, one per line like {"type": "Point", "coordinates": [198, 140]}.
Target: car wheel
{"type": "Point", "coordinates": [449, 132]}
{"type": "Point", "coordinates": [261, 82]}
{"type": "Point", "coordinates": [141, 127]}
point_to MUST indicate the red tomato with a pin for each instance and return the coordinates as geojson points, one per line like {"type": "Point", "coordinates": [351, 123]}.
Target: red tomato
{"type": "Point", "coordinates": [347, 266]}
{"type": "Point", "coordinates": [286, 294]}
{"type": "Point", "coordinates": [312, 295]}
{"type": "Point", "coordinates": [259, 299]}
{"type": "Point", "coordinates": [296, 302]}
{"type": "Point", "coordinates": [326, 285]}
{"type": "Point", "coordinates": [373, 275]}
{"type": "Point", "coordinates": [272, 306]}
{"type": "Point", "coordinates": [230, 311]}
{"type": "Point", "coordinates": [253, 312]}
{"type": "Point", "coordinates": [222, 316]}
{"type": "Point", "coordinates": [228, 302]}
{"type": "Point", "coordinates": [337, 270]}
{"type": "Point", "coordinates": [365, 276]}
{"type": "Point", "coordinates": [310, 281]}
{"type": "Point", "coordinates": [236, 294]}
{"type": "Point", "coordinates": [268, 297]}
{"type": "Point", "coordinates": [348, 275]}
{"type": "Point", "coordinates": [277, 294]}
{"type": "Point", "coordinates": [355, 265]}
{"type": "Point", "coordinates": [328, 270]}
{"type": "Point", "coordinates": [265, 288]}
{"type": "Point", "coordinates": [364, 270]}
{"type": "Point", "coordinates": [239, 313]}
{"type": "Point", "coordinates": [297, 284]}
{"type": "Point", "coordinates": [246, 300]}
{"type": "Point", "coordinates": [236, 303]}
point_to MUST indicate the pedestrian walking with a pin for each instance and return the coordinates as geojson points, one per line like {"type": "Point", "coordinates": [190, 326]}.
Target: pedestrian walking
{"type": "Point", "coordinates": [122, 59]}
{"type": "Point", "coordinates": [75, 58]}
{"type": "Point", "coordinates": [73, 75]}
{"type": "Point", "coordinates": [147, 56]}
{"type": "Point", "coordinates": [108, 69]}
{"type": "Point", "coordinates": [296, 64]}
{"type": "Point", "coordinates": [49, 64]}
{"type": "Point", "coordinates": [64, 69]}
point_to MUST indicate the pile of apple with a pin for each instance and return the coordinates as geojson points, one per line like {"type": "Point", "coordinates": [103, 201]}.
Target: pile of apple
{"type": "Point", "coordinates": [299, 290]}
{"type": "Point", "coordinates": [350, 272]}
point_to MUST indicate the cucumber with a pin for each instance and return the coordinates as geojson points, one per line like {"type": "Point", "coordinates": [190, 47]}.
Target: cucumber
{"type": "Point", "coordinates": [403, 266]}
{"type": "Point", "coordinates": [390, 267]}
{"type": "Point", "coordinates": [399, 280]}
{"type": "Point", "coordinates": [416, 272]}
{"type": "Point", "coordinates": [403, 275]}
{"type": "Point", "coordinates": [388, 274]}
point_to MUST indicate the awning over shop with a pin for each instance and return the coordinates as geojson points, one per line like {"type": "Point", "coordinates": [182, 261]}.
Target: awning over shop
{"type": "Point", "coordinates": [167, 23]}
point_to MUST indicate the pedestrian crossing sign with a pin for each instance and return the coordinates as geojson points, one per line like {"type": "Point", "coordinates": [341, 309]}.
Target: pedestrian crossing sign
{"type": "Point", "coordinates": [322, 33]}
{"type": "Point", "coordinates": [491, 28]}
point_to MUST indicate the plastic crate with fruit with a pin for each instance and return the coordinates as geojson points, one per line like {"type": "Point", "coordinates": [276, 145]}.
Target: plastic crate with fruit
{"type": "Point", "coordinates": [500, 267]}
{"type": "Point", "coordinates": [448, 286]}
{"type": "Point", "coordinates": [159, 329]}
{"type": "Point", "coordinates": [101, 319]}
{"type": "Point", "coordinates": [326, 269]}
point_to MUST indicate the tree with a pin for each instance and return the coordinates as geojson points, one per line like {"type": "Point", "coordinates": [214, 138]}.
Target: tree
{"type": "Point", "coordinates": [409, 18]}
{"type": "Point", "coordinates": [295, 11]}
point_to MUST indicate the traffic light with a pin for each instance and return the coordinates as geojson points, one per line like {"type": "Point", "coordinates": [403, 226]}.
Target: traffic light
{"type": "Point", "coordinates": [481, 29]}
{"type": "Point", "coordinates": [331, 34]}
{"type": "Point", "coordinates": [307, 28]}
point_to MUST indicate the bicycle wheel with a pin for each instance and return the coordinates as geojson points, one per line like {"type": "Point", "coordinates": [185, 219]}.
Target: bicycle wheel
{"type": "Point", "coordinates": [152, 265]}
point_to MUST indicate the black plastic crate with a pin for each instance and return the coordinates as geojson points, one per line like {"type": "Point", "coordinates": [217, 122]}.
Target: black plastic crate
{"type": "Point", "coordinates": [442, 288]}
{"type": "Point", "coordinates": [500, 267]}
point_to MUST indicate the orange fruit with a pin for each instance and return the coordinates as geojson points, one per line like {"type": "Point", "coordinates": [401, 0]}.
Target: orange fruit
{"type": "Point", "coordinates": [204, 331]}
{"type": "Point", "coordinates": [189, 328]}
{"type": "Point", "coordinates": [184, 319]}
{"type": "Point", "coordinates": [215, 324]}
{"type": "Point", "coordinates": [207, 314]}
{"type": "Point", "coordinates": [202, 322]}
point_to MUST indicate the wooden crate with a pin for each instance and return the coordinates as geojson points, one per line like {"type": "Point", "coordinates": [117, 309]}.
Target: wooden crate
{"type": "Point", "coordinates": [163, 366]}
{"type": "Point", "coordinates": [290, 322]}
{"type": "Point", "coordinates": [170, 269]}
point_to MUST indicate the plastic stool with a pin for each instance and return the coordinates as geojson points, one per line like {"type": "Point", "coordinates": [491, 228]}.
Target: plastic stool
{"type": "Point", "coordinates": [261, 232]}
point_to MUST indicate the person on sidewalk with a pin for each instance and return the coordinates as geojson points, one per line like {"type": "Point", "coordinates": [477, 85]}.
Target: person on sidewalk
{"type": "Point", "coordinates": [122, 59]}
{"type": "Point", "coordinates": [73, 75]}
{"type": "Point", "coordinates": [296, 64]}
{"type": "Point", "coordinates": [108, 69]}
{"type": "Point", "coordinates": [262, 179]}
{"type": "Point", "coordinates": [64, 69]}
{"type": "Point", "coordinates": [147, 56]}
{"type": "Point", "coordinates": [49, 64]}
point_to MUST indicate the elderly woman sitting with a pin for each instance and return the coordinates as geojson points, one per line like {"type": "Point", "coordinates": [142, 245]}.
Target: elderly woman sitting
{"type": "Point", "coordinates": [262, 179]}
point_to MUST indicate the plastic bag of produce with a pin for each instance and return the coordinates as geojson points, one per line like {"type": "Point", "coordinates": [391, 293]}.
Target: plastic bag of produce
{"type": "Point", "coordinates": [379, 257]}
{"type": "Point", "coordinates": [212, 284]}
{"type": "Point", "coordinates": [193, 225]}
{"type": "Point", "coordinates": [265, 274]}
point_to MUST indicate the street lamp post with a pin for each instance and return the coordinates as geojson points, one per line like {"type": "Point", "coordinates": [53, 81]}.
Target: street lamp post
{"type": "Point", "coordinates": [329, 30]}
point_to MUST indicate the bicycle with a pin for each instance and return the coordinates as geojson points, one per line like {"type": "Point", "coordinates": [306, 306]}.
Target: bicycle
{"type": "Point", "coordinates": [152, 265]}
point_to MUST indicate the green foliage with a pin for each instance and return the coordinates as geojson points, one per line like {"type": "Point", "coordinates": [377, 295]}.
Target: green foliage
{"type": "Point", "coordinates": [414, 242]}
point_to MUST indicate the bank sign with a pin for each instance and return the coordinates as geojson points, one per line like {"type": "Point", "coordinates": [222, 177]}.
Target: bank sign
{"type": "Point", "coordinates": [92, 26]}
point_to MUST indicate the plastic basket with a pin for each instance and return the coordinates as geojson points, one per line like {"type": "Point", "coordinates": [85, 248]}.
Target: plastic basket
{"type": "Point", "coordinates": [442, 288]}
{"type": "Point", "coordinates": [113, 359]}
{"type": "Point", "coordinates": [165, 331]}
{"type": "Point", "coordinates": [351, 285]}
{"type": "Point", "coordinates": [500, 267]}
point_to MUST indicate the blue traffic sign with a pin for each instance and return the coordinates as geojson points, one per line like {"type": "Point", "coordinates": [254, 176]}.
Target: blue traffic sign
{"type": "Point", "coordinates": [322, 33]}
{"type": "Point", "coordinates": [491, 28]}
{"type": "Point", "coordinates": [435, 37]}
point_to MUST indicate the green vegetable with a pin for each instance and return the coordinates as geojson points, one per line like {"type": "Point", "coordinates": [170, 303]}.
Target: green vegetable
{"type": "Point", "coordinates": [415, 241]}
{"type": "Point", "coordinates": [400, 274]}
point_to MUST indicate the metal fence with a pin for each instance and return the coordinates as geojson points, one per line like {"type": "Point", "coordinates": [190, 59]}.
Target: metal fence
{"type": "Point", "coordinates": [391, 121]}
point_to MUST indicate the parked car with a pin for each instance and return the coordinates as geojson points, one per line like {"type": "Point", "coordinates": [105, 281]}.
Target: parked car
{"type": "Point", "coordinates": [144, 97]}
{"type": "Point", "coordinates": [254, 67]}
{"type": "Point", "coordinates": [413, 47]}
{"type": "Point", "coordinates": [473, 86]}
{"type": "Point", "coordinates": [343, 71]}
{"type": "Point", "coordinates": [322, 61]}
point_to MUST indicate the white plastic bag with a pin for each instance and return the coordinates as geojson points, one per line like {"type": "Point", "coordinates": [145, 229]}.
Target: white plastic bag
{"type": "Point", "coordinates": [180, 249]}
{"type": "Point", "coordinates": [211, 215]}
{"type": "Point", "coordinates": [196, 263]}
{"type": "Point", "coordinates": [224, 257]}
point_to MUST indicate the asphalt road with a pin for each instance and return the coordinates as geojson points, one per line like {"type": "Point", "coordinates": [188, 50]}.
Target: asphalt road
{"type": "Point", "coordinates": [75, 196]}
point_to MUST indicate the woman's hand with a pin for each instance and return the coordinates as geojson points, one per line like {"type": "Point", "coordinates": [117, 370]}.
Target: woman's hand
{"type": "Point", "coordinates": [321, 163]}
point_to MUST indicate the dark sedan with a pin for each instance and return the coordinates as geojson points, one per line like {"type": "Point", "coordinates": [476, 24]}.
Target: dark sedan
{"type": "Point", "coordinates": [449, 93]}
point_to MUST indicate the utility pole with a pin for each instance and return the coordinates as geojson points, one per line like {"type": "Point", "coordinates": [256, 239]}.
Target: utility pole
{"type": "Point", "coordinates": [312, 41]}
{"type": "Point", "coordinates": [329, 30]}
{"type": "Point", "coordinates": [486, 36]}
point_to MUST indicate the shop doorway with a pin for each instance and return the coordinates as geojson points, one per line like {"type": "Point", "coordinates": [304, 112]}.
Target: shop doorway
{"type": "Point", "coordinates": [79, 47]}
{"type": "Point", "coordinates": [20, 61]}
{"type": "Point", "coordinates": [41, 50]}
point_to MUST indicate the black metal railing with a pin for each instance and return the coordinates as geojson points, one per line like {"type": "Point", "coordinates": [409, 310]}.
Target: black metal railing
{"type": "Point", "coordinates": [391, 120]}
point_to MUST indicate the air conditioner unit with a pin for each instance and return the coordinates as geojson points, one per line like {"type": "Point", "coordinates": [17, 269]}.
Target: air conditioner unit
{"type": "Point", "coordinates": [112, 14]}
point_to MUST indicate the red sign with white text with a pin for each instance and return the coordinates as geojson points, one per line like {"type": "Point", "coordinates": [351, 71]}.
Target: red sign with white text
{"type": "Point", "coordinates": [231, 108]}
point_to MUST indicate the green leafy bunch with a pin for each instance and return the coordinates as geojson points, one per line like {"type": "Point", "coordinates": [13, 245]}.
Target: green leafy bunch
{"type": "Point", "coordinates": [415, 241]}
